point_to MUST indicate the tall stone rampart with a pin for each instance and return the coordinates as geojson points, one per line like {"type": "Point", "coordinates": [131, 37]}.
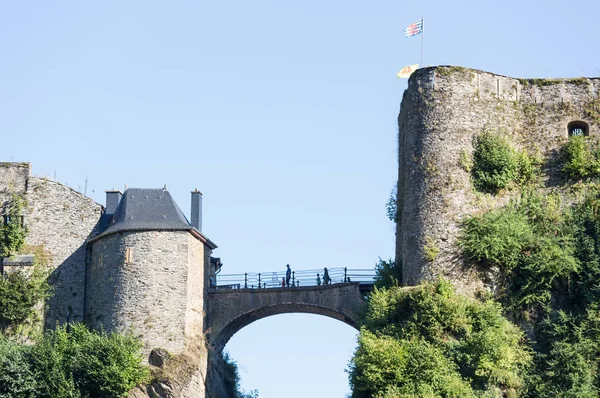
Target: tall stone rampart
{"type": "Point", "coordinates": [442, 110]}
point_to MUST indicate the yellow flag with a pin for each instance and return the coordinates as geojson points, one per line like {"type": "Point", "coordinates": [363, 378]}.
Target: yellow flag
{"type": "Point", "coordinates": [407, 71]}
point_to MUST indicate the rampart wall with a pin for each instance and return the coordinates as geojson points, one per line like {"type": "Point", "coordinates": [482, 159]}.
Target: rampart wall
{"type": "Point", "coordinates": [60, 220]}
{"type": "Point", "coordinates": [442, 110]}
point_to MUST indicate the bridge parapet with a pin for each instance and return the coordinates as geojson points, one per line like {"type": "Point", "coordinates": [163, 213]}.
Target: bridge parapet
{"type": "Point", "coordinates": [300, 278]}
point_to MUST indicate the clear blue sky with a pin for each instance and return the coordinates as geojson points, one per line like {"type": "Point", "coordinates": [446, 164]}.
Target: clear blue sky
{"type": "Point", "coordinates": [282, 113]}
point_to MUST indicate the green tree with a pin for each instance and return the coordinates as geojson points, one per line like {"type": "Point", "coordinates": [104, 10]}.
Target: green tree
{"type": "Point", "coordinates": [431, 342]}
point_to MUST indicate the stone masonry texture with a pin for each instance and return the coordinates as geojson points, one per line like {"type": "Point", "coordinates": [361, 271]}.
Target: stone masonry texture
{"type": "Point", "coordinates": [149, 294]}
{"type": "Point", "coordinates": [60, 220]}
{"type": "Point", "coordinates": [442, 110]}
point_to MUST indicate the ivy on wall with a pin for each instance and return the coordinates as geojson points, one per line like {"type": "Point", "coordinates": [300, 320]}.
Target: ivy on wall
{"type": "Point", "coordinates": [12, 231]}
{"type": "Point", "coordinates": [21, 290]}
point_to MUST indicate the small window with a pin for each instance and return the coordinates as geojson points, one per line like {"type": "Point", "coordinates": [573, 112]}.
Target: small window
{"type": "Point", "coordinates": [578, 128]}
{"type": "Point", "coordinates": [128, 255]}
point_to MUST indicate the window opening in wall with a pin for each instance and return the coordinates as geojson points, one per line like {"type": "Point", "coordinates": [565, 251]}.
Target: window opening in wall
{"type": "Point", "coordinates": [578, 128]}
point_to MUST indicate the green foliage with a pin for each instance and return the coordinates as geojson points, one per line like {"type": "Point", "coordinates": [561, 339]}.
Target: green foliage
{"type": "Point", "coordinates": [431, 249]}
{"type": "Point", "coordinates": [581, 158]}
{"type": "Point", "coordinates": [540, 82]}
{"type": "Point", "coordinates": [552, 277]}
{"type": "Point", "coordinates": [391, 206]}
{"type": "Point", "coordinates": [532, 243]}
{"type": "Point", "coordinates": [592, 110]}
{"type": "Point", "coordinates": [105, 364]}
{"type": "Point", "coordinates": [71, 364]}
{"type": "Point", "coordinates": [498, 237]}
{"type": "Point", "coordinates": [385, 366]}
{"type": "Point", "coordinates": [432, 342]}
{"type": "Point", "coordinates": [231, 379]}
{"type": "Point", "coordinates": [388, 274]}
{"type": "Point", "coordinates": [13, 232]}
{"type": "Point", "coordinates": [20, 291]}
{"type": "Point", "coordinates": [465, 161]}
{"type": "Point", "coordinates": [17, 379]}
{"type": "Point", "coordinates": [496, 164]}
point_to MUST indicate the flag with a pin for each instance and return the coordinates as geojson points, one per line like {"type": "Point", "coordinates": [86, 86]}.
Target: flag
{"type": "Point", "coordinates": [414, 28]}
{"type": "Point", "coordinates": [407, 71]}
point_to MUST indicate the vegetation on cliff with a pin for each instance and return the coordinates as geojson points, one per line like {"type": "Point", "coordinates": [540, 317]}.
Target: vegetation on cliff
{"type": "Point", "coordinates": [543, 250]}
{"type": "Point", "coordinates": [581, 158]}
{"type": "Point", "coordinates": [548, 257]}
{"type": "Point", "coordinates": [72, 362]}
{"type": "Point", "coordinates": [431, 342]}
{"type": "Point", "coordinates": [231, 379]}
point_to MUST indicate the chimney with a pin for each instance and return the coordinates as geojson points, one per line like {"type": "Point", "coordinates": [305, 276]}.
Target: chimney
{"type": "Point", "coordinates": [196, 213]}
{"type": "Point", "coordinates": [112, 201]}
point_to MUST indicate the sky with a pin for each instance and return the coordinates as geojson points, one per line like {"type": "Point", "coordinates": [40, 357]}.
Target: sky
{"type": "Point", "coordinates": [283, 113]}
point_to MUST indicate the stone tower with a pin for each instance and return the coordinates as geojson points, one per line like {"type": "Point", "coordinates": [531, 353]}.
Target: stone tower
{"type": "Point", "coordinates": [442, 110]}
{"type": "Point", "coordinates": [148, 270]}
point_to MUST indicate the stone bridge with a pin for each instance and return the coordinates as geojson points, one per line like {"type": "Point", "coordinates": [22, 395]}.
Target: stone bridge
{"type": "Point", "coordinates": [229, 310]}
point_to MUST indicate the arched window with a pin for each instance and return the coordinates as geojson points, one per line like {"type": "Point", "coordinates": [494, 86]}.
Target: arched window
{"type": "Point", "coordinates": [578, 128]}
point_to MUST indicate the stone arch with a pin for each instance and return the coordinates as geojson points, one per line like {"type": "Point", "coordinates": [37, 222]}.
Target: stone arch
{"type": "Point", "coordinates": [229, 312]}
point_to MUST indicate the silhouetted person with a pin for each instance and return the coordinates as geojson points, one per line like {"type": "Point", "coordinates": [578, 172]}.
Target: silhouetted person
{"type": "Point", "coordinates": [288, 275]}
{"type": "Point", "coordinates": [326, 278]}
{"type": "Point", "coordinates": [318, 280]}
{"type": "Point", "coordinates": [282, 282]}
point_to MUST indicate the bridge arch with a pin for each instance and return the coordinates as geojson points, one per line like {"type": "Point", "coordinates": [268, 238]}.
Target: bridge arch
{"type": "Point", "coordinates": [231, 310]}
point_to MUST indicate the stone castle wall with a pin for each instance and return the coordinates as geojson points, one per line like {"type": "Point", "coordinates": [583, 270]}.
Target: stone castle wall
{"type": "Point", "coordinates": [148, 294]}
{"type": "Point", "coordinates": [442, 110]}
{"type": "Point", "coordinates": [60, 220]}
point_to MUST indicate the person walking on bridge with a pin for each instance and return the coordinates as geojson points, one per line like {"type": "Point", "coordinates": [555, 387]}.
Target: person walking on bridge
{"type": "Point", "coordinates": [326, 278]}
{"type": "Point", "coordinates": [288, 275]}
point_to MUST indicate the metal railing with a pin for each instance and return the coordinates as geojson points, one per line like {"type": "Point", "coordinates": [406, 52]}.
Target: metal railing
{"type": "Point", "coordinates": [300, 278]}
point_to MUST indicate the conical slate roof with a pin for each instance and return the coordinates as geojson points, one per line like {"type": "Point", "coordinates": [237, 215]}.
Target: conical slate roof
{"type": "Point", "coordinates": [147, 209]}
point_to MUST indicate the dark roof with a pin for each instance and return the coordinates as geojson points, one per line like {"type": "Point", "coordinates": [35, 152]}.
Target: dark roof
{"type": "Point", "coordinates": [149, 209]}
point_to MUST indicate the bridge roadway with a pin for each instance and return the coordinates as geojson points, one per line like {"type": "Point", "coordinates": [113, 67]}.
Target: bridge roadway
{"type": "Point", "coordinates": [229, 310]}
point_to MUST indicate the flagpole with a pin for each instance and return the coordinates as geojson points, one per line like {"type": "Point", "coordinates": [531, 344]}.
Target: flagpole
{"type": "Point", "coordinates": [422, 34]}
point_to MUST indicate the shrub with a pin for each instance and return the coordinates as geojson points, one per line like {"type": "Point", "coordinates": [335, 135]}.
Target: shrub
{"type": "Point", "coordinates": [498, 237]}
{"type": "Point", "coordinates": [391, 207]}
{"type": "Point", "coordinates": [432, 342]}
{"type": "Point", "coordinates": [13, 232]}
{"type": "Point", "coordinates": [581, 158]}
{"type": "Point", "coordinates": [106, 365]}
{"type": "Point", "coordinates": [388, 274]}
{"type": "Point", "coordinates": [385, 367]}
{"type": "Point", "coordinates": [555, 278]}
{"type": "Point", "coordinates": [496, 164]}
{"type": "Point", "coordinates": [71, 364]}
{"type": "Point", "coordinates": [19, 294]}
{"type": "Point", "coordinates": [17, 379]}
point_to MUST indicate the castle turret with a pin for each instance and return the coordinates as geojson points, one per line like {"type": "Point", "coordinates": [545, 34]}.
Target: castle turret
{"type": "Point", "coordinates": [149, 272]}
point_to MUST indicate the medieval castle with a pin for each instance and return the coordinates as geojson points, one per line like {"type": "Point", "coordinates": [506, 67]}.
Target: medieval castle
{"type": "Point", "coordinates": [138, 263]}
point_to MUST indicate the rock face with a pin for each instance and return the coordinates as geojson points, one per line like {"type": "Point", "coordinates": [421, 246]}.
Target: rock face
{"type": "Point", "coordinates": [442, 110]}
